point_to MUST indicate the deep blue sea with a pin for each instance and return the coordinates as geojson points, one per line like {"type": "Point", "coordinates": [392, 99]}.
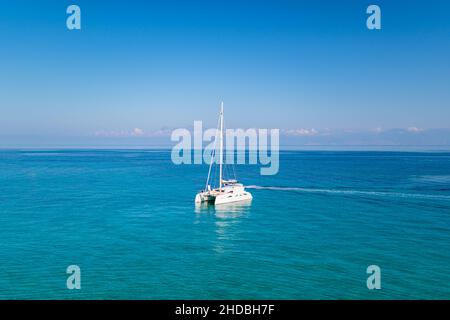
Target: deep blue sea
{"type": "Point", "coordinates": [128, 219]}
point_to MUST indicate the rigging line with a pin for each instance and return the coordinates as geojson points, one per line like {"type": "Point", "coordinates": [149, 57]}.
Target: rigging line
{"type": "Point", "coordinates": [234, 171]}
{"type": "Point", "coordinates": [215, 172]}
{"type": "Point", "coordinates": [227, 171]}
{"type": "Point", "coordinates": [231, 173]}
{"type": "Point", "coordinates": [213, 154]}
{"type": "Point", "coordinates": [213, 176]}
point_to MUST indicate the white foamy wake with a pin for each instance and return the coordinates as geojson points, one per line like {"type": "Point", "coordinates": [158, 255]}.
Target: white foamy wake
{"type": "Point", "coordinates": [354, 192]}
{"type": "Point", "coordinates": [440, 179]}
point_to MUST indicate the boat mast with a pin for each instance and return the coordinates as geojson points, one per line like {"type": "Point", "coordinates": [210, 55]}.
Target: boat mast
{"type": "Point", "coordinates": [221, 147]}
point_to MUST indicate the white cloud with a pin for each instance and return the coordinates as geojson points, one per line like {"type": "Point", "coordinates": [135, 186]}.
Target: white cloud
{"type": "Point", "coordinates": [137, 132]}
{"type": "Point", "coordinates": [301, 132]}
{"type": "Point", "coordinates": [414, 129]}
{"type": "Point", "coordinates": [378, 130]}
{"type": "Point", "coordinates": [164, 132]}
{"type": "Point", "coordinates": [111, 133]}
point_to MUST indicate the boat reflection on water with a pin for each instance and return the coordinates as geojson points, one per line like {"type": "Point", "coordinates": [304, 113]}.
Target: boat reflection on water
{"type": "Point", "coordinates": [226, 210]}
{"type": "Point", "coordinates": [227, 217]}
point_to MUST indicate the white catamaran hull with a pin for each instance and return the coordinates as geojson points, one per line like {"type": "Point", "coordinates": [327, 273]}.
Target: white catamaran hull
{"type": "Point", "coordinates": [222, 198]}
{"type": "Point", "coordinates": [226, 198]}
{"type": "Point", "coordinates": [229, 193]}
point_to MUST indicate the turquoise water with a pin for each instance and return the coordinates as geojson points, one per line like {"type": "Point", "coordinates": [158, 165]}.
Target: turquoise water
{"type": "Point", "coordinates": [127, 218]}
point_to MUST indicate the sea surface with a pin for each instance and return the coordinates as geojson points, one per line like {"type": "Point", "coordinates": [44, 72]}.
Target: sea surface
{"type": "Point", "coordinates": [127, 218]}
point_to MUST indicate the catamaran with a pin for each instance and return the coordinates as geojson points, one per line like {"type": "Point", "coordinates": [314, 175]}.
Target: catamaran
{"type": "Point", "coordinates": [229, 190]}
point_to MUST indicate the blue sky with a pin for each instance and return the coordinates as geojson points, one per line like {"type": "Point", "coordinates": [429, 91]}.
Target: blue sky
{"type": "Point", "coordinates": [157, 65]}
